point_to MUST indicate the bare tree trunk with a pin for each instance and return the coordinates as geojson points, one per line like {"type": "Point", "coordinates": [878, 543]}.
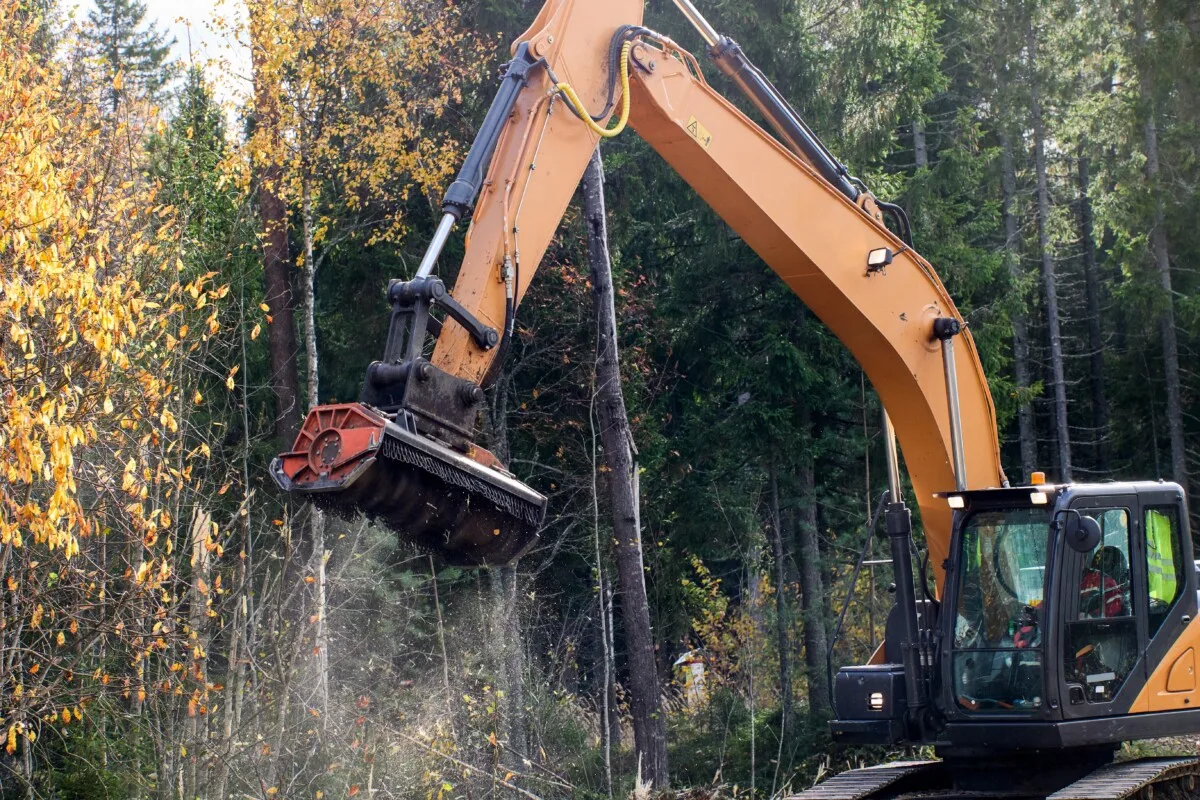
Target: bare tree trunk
{"type": "Point", "coordinates": [309, 273]}
{"type": "Point", "coordinates": [514, 663]}
{"type": "Point", "coordinates": [812, 590]}
{"type": "Point", "coordinates": [1026, 429]}
{"type": "Point", "coordinates": [281, 331]}
{"type": "Point", "coordinates": [649, 722]}
{"type": "Point", "coordinates": [610, 655]}
{"type": "Point", "coordinates": [782, 617]}
{"type": "Point", "coordinates": [27, 768]}
{"type": "Point", "coordinates": [508, 627]}
{"type": "Point", "coordinates": [201, 586]}
{"type": "Point", "coordinates": [920, 147]}
{"type": "Point", "coordinates": [608, 695]}
{"type": "Point", "coordinates": [1062, 431]}
{"type": "Point", "coordinates": [1160, 250]}
{"type": "Point", "coordinates": [233, 681]}
{"type": "Point", "coordinates": [1091, 281]}
{"type": "Point", "coordinates": [311, 557]}
{"type": "Point", "coordinates": [321, 629]}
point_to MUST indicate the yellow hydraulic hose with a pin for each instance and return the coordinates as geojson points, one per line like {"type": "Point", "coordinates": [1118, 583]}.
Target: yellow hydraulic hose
{"type": "Point", "coordinates": [577, 104]}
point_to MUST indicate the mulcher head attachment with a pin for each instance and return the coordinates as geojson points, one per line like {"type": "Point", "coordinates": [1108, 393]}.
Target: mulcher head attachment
{"type": "Point", "coordinates": [351, 459]}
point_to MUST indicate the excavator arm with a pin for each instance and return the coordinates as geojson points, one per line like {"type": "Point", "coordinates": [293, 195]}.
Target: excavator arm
{"type": "Point", "coordinates": [800, 211]}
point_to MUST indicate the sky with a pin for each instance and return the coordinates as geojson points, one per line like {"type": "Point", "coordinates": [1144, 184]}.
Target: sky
{"type": "Point", "coordinates": [191, 23]}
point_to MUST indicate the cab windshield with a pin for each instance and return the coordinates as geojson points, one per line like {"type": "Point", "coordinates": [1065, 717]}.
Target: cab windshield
{"type": "Point", "coordinates": [998, 624]}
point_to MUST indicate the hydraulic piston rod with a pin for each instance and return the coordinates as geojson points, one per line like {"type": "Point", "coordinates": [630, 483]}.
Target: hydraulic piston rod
{"type": "Point", "coordinates": [899, 531]}
{"type": "Point", "coordinates": [792, 131]}
{"type": "Point", "coordinates": [893, 459]}
{"type": "Point", "coordinates": [707, 31]}
{"type": "Point", "coordinates": [436, 244]}
{"type": "Point", "coordinates": [945, 329]}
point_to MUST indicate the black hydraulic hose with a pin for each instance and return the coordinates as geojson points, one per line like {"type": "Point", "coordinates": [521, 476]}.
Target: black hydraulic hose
{"type": "Point", "coordinates": [901, 216]}
{"type": "Point", "coordinates": [796, 134]}
{"type": "Point", "coordinates": [510, 319]}
{"type": "Point", "coordinates": [837, 629]}
{"type": "Point", "coordinates": [925, 579]}
{"type": "Point", "coordinates": [510, 316]}
{"type": "Point", "coordinates": [623, 34]}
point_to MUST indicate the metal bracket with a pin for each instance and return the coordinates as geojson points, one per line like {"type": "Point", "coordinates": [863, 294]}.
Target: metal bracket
{"type": "Point", "coordinates": [411, 303]}
{"type": "Point", "coordinates": [444, 405]}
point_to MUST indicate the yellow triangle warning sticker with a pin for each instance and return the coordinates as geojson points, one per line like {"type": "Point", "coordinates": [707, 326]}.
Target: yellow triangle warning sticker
{"type": "Point", "coordinates": [698, 132]}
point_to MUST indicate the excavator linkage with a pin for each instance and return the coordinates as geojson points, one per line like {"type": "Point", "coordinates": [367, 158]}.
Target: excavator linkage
{"type": "Point", "coordinates": [352, 458]}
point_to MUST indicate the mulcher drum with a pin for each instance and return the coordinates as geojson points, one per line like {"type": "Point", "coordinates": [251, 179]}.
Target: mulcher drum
{"type": "Point", "coordinates": [351, 459]}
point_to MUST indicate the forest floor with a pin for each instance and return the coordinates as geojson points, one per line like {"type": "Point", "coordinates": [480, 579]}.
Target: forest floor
{"type": "Point", "coordinates": [1166, 746]}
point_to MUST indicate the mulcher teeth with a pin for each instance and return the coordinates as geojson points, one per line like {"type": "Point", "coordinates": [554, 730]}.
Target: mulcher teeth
{"type": "Point", "coordinates": [351, 459]}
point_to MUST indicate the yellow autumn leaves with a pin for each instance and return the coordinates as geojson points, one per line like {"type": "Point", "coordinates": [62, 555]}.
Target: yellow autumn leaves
{"type": "Point", "coordinates": [94, 323]}
{"type": "Point", "coordinates": [354, 86]}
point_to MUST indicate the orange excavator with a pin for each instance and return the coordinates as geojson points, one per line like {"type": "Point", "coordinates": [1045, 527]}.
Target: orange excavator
{"type": "Point", "coordinates": [1062, 620]}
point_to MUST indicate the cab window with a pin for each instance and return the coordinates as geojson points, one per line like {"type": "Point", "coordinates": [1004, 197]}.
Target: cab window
{"type": "Point", "coordinates": [1101, 631]}
{"type": "Point", "coordinates": [1104, 590]}
{"type": "Point", "coordinates": [1164, 563]}
{"type": "Point", "coordinates": [997, 636]}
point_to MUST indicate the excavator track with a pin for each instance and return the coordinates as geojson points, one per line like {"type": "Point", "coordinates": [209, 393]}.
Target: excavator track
{"type": "Point", "coordinates": [1145, 779]}
{"type": "Point", "coordinates": [868, 782]}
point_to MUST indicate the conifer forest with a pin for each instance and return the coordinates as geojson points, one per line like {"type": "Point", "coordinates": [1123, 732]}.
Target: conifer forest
{"type": "Point", "coordinates": [196, 250]}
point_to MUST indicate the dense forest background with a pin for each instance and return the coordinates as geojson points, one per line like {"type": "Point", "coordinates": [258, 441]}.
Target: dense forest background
{"type": "Point", "coordinates": [180, 281]}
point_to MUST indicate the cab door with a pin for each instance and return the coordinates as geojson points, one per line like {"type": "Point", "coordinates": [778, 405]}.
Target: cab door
{"type": "Point", "coordinates": [1168, 588]}
{"type": "Point", "coordinates": [1103, 621]}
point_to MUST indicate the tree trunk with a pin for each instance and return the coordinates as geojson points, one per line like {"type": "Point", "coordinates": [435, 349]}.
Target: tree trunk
{"type": "Point", "coordinates": [812, 590]}
{"type": "Point", "coordinates": [649, 723]}
{"type": "Point", "coordinates": [782, 617]}
{"type": "Point", "coordinates": [610, 656]}
{"type": "Point", "coordinates": [272, 212]}
{"type": "Point", "coordinates": [309, 275]}
{"type": "Point", "coordinates": [920, 147]}
{"type": "Point", "coordinates": [1062, 432]}
{"type": "Point", "coordinates": [1160, 251]}
{"type": "Point", "coordinates": [1091, 281]}
{"type": "Point", "coordinates": [198, 622]}
{"type": "Point", "coordinates": [509, 624]}
{"type": "Point", "coordinates": [233, 683]}
{"type": "Point", "coordinates": [1026, 429]}
{"type": "Point", "coordinates": [514, 666]}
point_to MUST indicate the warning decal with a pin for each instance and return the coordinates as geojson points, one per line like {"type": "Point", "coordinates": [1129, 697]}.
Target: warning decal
{"type": "Point", "coordinates": [699, 132]}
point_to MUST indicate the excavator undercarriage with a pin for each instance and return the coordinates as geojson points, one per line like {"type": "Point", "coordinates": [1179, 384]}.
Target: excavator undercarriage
{"type": "Point", "coordinates": [1089, 775]}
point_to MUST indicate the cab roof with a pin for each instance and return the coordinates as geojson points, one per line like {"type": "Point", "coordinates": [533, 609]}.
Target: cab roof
{"type": "Point", "coordinates": [1020, 495]}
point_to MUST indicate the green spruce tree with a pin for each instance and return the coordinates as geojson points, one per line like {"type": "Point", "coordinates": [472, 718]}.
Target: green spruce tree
{"type": "Point", "coordinates": [130, 47]}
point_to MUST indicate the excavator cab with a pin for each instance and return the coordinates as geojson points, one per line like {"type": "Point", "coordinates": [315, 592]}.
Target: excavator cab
{"type": "Point", "coordinates": [1067, 622]}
